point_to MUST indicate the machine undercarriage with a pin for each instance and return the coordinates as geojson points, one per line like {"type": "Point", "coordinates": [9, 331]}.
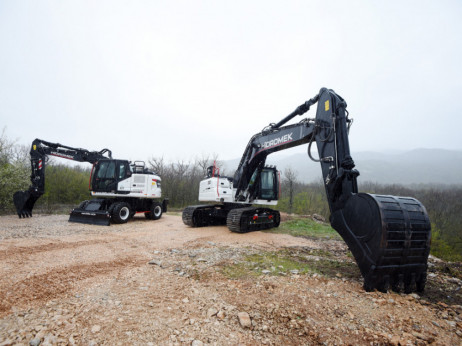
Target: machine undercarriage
{"type": "Point", "coordinates": [239, 218]}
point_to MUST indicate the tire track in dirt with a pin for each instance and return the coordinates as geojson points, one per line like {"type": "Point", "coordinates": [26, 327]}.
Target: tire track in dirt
{"type": "Point", "coordinates": [56, 283]}
{"type": "Point", "coordinates": [31, 250]}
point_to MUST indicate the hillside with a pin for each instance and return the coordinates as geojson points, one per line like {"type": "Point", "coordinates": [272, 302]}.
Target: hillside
{"type": "Point", "coordinates": [419, 166]}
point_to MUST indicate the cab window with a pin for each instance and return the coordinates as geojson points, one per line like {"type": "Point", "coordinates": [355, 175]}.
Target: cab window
{"type": "Point", "coordinates": [122, 170]}
{"type": "Point", "coordinates": [268, 187]}
{"type": "Point", "coordinates": [106, 170]}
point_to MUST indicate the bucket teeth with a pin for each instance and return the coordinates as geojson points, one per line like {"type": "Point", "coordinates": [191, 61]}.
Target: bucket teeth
{"type": "Point", "coordinates": [384, 284]}
{"type": "Point", "coordinates": [24, 202]}
{"type": "Point", "coordinates": [409, 283]}
{"type": "Point", "coordinates": [397, 283]}
{"type": "Point", "coordinates": [421, 281]}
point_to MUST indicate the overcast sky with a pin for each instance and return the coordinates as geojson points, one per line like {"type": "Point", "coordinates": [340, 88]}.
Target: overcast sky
{"type": "Point", "coordinates": [181, 79]}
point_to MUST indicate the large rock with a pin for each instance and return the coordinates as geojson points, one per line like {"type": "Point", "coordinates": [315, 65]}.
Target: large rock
{"type": "Point", "coordinates": [244, 319]}
{"type": "Point", "coordinates": [211, 312]}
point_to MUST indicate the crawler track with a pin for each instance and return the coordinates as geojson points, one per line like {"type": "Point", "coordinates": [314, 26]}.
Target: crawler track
{"type": "Point", "coordinates": [239, 218]}
{"type": "Point", "coordinates": [250, 219]}
{"type": "Point", "coordinates": [205, 215]}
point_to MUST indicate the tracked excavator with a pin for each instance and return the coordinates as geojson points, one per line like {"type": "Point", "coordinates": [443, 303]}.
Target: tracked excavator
{"type": "Point", "coordinates": [120, 188]}
{"type": "Point", "coordinates": [389, 236]}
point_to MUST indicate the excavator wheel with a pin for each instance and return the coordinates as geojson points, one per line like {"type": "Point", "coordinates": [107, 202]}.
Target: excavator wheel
{"type": "Point", "coordinates": [389, 237]}
{"type": "Point", "coordinates": [155, 213]}
{"type": "Point", "coordinates": [121, 213]}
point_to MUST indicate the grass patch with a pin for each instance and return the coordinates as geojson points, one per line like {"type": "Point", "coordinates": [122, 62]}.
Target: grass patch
{"type": "Point", "coordinates": [304, 227]}
{"type": "Point", "coordinates": [453, 269]}
{"type": "Point", "coordinates": [174, 213]}
{"type": "Point", "coordinates": [287, 262]}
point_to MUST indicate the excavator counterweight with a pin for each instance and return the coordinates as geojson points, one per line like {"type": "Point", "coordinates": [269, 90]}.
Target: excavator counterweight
{"type": "Point", "coordinates": [389, 236]}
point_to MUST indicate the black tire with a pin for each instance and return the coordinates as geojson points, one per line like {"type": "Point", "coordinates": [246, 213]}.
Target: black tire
{"type": "Point", "coordinates": [155, 213]}
{"type": "Point", "coordinates": [121, 213]}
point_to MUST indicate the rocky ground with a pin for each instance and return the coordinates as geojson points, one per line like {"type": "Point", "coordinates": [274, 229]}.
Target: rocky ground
{"type": "Point", "coordinates": [160, 282]}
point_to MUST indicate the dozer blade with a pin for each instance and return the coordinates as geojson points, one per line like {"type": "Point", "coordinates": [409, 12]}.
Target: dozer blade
{"type": "Point", "coordinates": [389, 237]}
{"type": "Point", "coordinates": [24, 202]}
{"type": "Point", "coordinates": [91, 214]}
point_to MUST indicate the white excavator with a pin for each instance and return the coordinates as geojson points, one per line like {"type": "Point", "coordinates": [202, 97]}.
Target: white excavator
{"type": "Point", "coordinates": [121, 188]}
{"type": "Point", "coordinates": [389, 236]}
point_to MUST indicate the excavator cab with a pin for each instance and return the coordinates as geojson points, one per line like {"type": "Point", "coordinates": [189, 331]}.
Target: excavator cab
{"type": "Point", "coordinates": [268, 184]}
{"type": "Point", "coordinates": [106, 174]}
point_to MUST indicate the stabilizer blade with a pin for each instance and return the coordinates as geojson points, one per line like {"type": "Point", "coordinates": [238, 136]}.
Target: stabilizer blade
{"type": "Point", "coordinates": [90, 212]}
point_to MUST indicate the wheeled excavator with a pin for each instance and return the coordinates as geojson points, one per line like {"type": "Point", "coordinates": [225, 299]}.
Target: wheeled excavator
{"type": "Point", "coordinates": [389, 236]}
{"type": "Point", "coordinates": [120, 188]}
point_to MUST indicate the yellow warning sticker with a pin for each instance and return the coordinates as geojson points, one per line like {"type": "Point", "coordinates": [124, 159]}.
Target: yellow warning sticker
{"type": "Point", "coordinates": [326, 105]}
{"type": "Point", "coordinates": [35, 147]}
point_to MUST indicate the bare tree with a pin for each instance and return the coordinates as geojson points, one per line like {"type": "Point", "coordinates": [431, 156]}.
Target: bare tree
{"type": "Point", "coordinates": [208, 160]}
{"type": "Point", "coordinates": [157, 164]}
{"type": "Point", "coordinates": [290, 179]}
{"type": "Point", "coordinates": [203, 162]}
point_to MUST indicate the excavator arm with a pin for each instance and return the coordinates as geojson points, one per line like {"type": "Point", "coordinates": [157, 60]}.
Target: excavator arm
{"type": "Point", "coordinates": [329, 130]}
{"type": "Point", "coordinates": [389, 236]}
{"type": "Point", "coordinates": [40, 150]}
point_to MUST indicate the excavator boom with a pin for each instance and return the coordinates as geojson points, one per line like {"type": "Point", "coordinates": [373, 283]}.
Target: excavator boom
{"type": "Point", "coordinates": [24, 201]}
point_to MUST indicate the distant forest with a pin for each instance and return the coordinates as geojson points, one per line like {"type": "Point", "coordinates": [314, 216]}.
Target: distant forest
{"type": "Point", "coordinates": [68, 186]}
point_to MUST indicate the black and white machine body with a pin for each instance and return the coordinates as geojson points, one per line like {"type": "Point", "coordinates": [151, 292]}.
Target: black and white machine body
{"type": "Point", "coordinates": [389, 236]}
{"type": "Point", "coordinates": [221, 189]}
{"type": "Point", "coordinates": [120, 188]}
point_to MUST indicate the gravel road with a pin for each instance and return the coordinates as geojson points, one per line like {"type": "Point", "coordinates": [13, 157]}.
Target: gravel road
{"type": "Point", "coordinates": [162, 283]}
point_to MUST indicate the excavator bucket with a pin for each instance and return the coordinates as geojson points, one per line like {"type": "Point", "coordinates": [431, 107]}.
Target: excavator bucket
{"type": "Point", "coordinates": [389, 237]}
{"type": "Point", "coordinates": [91, 213]}
{"type": "Point", "coordinates": [24, 202]}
